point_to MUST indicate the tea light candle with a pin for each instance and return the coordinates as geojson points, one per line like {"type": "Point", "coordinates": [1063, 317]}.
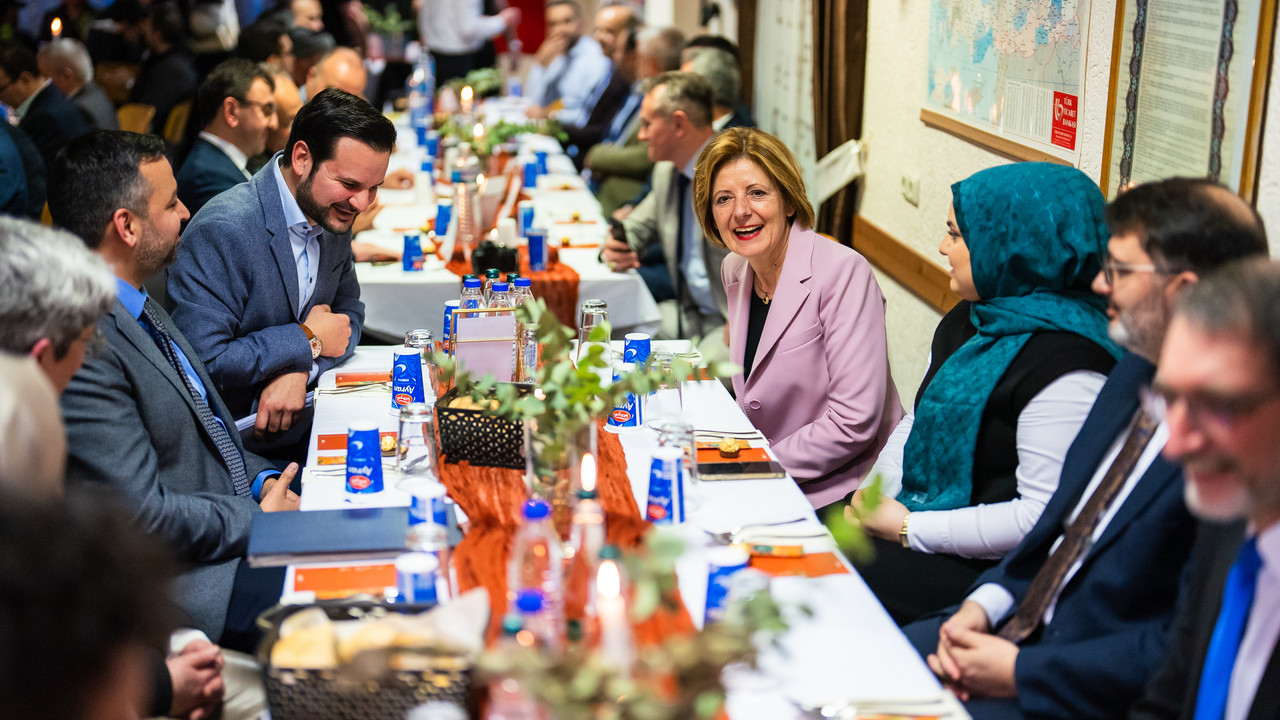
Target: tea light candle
{"type": "Point", "coordinates": [55, 27]}
{"type": "Point", "coordinates": [616, 647]}
{"type": "Point", "coordinates": [466, 97]}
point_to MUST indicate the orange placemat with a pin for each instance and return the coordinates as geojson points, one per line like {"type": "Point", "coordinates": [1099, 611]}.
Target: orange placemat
{"type": "Point", "coordinates": [810, 565]}
{"type": "Point", "coordinates": [712, 455]}
{"type": "Point", "coordinates": [352, 379]}
{"type": "Point", "coordinates": [329, 583]}
{"type": "Point", "coordinates": [338, 441]}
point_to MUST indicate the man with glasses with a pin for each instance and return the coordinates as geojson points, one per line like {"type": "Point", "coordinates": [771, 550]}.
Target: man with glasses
{"type": "Point", "coordinates": [1219, 388]}
{"type": "Point", "coordinates": [265, 283]}
{"type": "Point", "coordinates": [1074, 621]}
{"type": "Point", "coordinates": [237, 109]}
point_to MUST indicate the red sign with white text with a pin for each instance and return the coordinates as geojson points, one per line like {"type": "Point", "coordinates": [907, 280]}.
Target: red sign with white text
{"type": "Point", "coordinates": [1066, 110]}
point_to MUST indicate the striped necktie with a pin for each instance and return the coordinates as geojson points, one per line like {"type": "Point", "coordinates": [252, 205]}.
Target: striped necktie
{"type": "Point", "coordinates": [226, 447]}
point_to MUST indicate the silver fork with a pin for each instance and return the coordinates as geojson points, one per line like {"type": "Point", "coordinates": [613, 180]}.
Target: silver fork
{"type": "Point", "coordinates": [728, 538]}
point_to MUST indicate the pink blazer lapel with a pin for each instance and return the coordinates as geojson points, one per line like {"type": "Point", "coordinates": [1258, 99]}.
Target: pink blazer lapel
{"type": "Point", "coordinates": [788, 297]}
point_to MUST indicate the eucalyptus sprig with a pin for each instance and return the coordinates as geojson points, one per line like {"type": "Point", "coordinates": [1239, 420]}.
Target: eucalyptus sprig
{"type": "Point", "coordinates": [678, 678]}
{"type": "Point", "coordinates": [388, 23]}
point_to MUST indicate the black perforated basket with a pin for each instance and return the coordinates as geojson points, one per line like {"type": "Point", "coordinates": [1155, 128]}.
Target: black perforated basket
{"type": "Point", "coordinates": [477, 437]}
{"type": "Point", "coordinates": [370, 688]}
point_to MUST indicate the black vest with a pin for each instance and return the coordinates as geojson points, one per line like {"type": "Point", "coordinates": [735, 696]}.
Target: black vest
{"type": "Point", "coordinates": [1045, 357]}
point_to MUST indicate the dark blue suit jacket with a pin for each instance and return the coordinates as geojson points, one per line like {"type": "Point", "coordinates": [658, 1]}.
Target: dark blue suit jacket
{"type": "Point", "coordinates": [234, 290]}
{"type": "Point", "coordinates": [1110, 625]}
{"type": "Point", "coordinates": [51, 122]}
{"type": "Point", "coordinates": [206, 172]}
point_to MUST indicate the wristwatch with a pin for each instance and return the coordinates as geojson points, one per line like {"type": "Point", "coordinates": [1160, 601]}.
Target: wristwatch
{"type": "Point", "coordinates": [902, 534]}
{"type": "Point", "coordinates": [316, 347]}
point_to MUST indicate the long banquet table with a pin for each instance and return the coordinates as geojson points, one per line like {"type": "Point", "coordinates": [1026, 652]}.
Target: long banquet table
{"type": "Point", "coordinates": [397, 300]}
{"type": "Point", "coordinates": [847, 650]}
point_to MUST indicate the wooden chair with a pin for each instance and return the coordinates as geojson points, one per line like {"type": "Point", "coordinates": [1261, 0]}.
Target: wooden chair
{"type": "Point", "coordinates": [136, 117]}
{"type": "Point", "coordinates": [176, 123]}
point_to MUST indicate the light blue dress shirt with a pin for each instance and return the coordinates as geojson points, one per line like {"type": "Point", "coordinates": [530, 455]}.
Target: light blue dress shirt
{"type": "Point", "coordinates": [573, 79]}
{"type": "Point", "coordinates": [133, 300]}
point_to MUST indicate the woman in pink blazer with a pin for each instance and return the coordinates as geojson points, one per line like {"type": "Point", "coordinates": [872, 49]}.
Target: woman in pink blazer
{"type": "Point", "coordinates": [806, 317]}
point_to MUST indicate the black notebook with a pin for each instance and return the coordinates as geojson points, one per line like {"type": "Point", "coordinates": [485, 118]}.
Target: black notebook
{"type": "Point", "coordinates": [282, 538]}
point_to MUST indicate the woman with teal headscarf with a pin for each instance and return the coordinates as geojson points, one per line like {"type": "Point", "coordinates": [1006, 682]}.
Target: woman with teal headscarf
{"type": "Point", "coordinates": [1014, 370]}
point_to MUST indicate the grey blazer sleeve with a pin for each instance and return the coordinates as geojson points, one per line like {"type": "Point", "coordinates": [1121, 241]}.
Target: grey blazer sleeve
{"type": "Point", "coordinates": [644, 224]}
{"type": "Point", "coordinates": [112, 438]}
{"type": "Point", "coordinates": [211, 289]}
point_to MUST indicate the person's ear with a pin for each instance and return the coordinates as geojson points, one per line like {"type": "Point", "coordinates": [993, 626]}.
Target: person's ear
{"type": "Point", "coordinates": [1177, 284]}
{"type": "Point", "coordinates": [127, 226]}
{"type": "Point", "coordinates": [300, 160]}
{"type": "Point", "coordinates": [229, 111]}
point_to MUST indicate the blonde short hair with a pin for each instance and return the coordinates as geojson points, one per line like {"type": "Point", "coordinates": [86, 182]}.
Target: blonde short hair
{"type": "Point", "coordinates": [762, 149]}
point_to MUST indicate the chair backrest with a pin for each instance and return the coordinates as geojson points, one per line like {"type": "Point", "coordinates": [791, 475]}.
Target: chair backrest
{"type": "Point", "coordinates": [136, 117]}
{"type": "Point", "coordinates": [176, 124]}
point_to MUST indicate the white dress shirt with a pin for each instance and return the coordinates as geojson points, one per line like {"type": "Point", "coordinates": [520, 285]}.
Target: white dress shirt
{"type": "Point", "coordinates": [1262, 630]}
{"type": "Point", "coordinates": [694, 266]}
{"type": "Point", "coordinates": [457, 27]}
{"type": "Point", "coordinates": [998, 602]}
{"type": "Point", "coordinates": [1046, 428]}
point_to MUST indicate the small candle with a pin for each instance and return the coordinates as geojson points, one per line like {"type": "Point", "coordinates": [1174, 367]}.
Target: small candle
{"type": "Point", "coordinates": [55, 27]}
{"type": "Point", "coordinates": [467, 95]}
{"type": "Point", "coordinates": [477, 132]}
{"type": "Point", "coordinates": [616, 648]}
{"type": "Point", "coordinates": [588, 474]}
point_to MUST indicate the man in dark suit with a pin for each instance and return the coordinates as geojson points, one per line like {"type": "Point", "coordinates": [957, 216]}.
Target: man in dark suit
{"type": "Point", "coordinates": [1217, 385]}
{"type": "Point", "coordinates": [676, 123]}
{"type": "Point", "coordinates": [720, 68]}
{"type": "Point", "coordinates": [614, 26]}
{"type": "Point", "coordinates": [265, 282]}
{"type": "Point", "coordinates": [237, 111]}
{"type": "Point", "coordinates": [142, 415]}
{"type": "Point", "coordinates": [1071, 624]}
{"type": "Point", "coordinates": [44, 113]}
{"type": "Point", "coordinates": [66, 63]}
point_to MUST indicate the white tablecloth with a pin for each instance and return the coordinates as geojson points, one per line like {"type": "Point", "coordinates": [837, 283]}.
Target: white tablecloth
{"type": "Point", "coordinates": [396, 300]}
{"type": "Point", "coordinates": [848, 650]}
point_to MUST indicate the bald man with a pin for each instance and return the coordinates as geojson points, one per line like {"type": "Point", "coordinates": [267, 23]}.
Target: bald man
{"type": "Point", "coordinates": [343, 68]}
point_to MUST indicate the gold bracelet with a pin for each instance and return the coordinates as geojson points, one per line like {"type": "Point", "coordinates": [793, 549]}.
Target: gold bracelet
{"type": "Point", "coordinates": [902, 534]}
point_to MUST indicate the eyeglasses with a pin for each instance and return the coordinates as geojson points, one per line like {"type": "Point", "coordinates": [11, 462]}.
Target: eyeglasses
{"type": "Point", "coordinates": [1208, 410]}
{"type": "Point", "coordinates": [268, 108]}
{"type": "Point", "coordinates": [1112, 268]}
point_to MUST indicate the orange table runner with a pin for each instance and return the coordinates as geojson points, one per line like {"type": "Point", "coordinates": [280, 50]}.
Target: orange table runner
{"type": "Point", "coordinates": [491, 497]}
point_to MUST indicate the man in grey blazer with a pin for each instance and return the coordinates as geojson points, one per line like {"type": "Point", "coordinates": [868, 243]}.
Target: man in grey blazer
{"type": "Point", "coordinates": [142, 415]}
{"type": "Point", "coordinates": [265, 283]}
{"type": "Point", "coordinates": [675, 120]}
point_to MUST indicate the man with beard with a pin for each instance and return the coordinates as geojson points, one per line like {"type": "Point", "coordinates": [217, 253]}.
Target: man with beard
{"type": "Point", "coordinates": [1073, 622]}
{"type": "Point", "coordinates": [142, 415]}
{"type": "Point", "coordinates": [1217, 385]}
{"type": "Point", "coordinates": [266, 341]}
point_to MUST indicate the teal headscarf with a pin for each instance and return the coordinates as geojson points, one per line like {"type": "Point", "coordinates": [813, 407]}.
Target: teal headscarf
{"type": "Point", "coordinates": [1036, 235]}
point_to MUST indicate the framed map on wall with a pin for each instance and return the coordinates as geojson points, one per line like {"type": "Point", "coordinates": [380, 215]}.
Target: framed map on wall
{"type": "Point", "coordinates": [1009, 75]}
{"type": "Point", "coordinates": [1188, 82]}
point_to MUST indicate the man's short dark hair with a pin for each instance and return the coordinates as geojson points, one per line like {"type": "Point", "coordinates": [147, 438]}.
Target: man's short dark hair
{"type": "Point", "coordinates": [16, 58]}
{"type": "Point", "coordinates": [1188, 224]}
{"type": "Point", "coordinates": [230, 79]}
{"type": "Point", "coordinates": [97, 174]}
{"type": "Point", "coordinates": [309, 44]}
{"type": "Point", "coordinates": [718, 42]}
{"type": "Point", "coordinates": [78, 584]}
{"type": "Point", "coordinates": [166, 22]}
{"type": "Point", "coordinates": [572, 4]}
{"type": "Point", "coordinates": [1241, 299]}
{"type": "Point", "coordinates": [333, 114]}
{"type": "Point", "coordinates": [261, 40]}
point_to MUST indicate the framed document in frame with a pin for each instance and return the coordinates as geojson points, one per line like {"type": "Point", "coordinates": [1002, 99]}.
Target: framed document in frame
{"type": "Point", "coordinates": [1188, 87]}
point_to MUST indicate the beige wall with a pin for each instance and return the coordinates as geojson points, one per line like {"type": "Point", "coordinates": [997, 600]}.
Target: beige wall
{"type": "Point", "coordinates": [897, 53]}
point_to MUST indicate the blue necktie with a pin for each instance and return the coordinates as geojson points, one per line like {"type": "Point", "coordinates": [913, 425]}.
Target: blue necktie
{"type": "Point", "coordinates": [226, 447]}
{"type": "Point", "coordinates": [1237, 597]}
